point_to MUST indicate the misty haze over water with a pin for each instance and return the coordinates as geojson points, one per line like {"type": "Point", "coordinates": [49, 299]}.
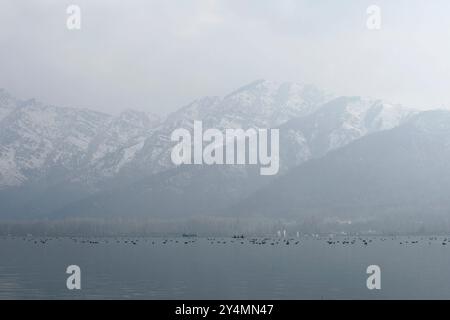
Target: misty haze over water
{"type": "Point", "coordinates": [224, 150]}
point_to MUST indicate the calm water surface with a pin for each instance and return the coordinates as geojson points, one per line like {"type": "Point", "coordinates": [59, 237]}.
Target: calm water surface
{"type": "Point", "coordinates": [223, 268]}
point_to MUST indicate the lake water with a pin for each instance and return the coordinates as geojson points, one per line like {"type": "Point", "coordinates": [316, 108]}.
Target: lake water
{"type": "Point", "coordinates": [223, 268]}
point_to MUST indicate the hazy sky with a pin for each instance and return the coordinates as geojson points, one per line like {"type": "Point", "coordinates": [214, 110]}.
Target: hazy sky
{"type": "Point", "coordinates": [160, 55]}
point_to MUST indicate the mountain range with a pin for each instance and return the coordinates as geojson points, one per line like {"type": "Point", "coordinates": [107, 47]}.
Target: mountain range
{"type": "Point", "coordinates": [341, 159]}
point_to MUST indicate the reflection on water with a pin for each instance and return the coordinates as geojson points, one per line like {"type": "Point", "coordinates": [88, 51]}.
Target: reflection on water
{"type": "Point", "coordinates": [180, 268]}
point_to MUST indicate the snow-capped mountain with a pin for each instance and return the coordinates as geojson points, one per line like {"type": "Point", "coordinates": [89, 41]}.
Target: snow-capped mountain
{"type": "Point", "coordinates": [336, 124]}
{"type": "Point", "coordinates": [93, 157]}
{"type": "Point", "coordinates": [37, 140]}
{"type": "Point", "coordinates": [261, 104]}
{"type": "Point", "coordinates": [201, 190]}
{"type": "Point", "coordinates": [392, 178]}
{"type": "Point", "coordinates": [40, 143]}
{"type": "Point", "coordinates": [117, 144]}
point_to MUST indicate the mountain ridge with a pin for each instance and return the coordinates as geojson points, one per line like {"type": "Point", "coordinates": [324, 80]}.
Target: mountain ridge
{"type": "Point", "coordinates": [88, 159]}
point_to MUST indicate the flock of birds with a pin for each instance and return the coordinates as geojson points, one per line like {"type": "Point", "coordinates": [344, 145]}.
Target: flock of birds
{"type": "Point", "coordinates": [241, 240]}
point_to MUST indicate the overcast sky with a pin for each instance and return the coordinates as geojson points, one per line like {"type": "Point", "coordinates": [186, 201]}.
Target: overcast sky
{"type": "Point", "coordinates": [159, 55]}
